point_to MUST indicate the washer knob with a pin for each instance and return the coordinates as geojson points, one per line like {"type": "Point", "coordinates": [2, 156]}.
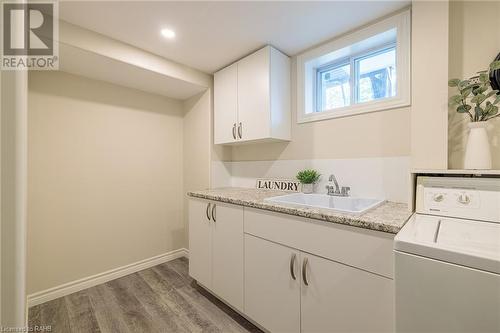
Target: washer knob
{"type": "Point", "coordinates": [438, 197]}
{"type": "Point", "coordinates": [464, 199]}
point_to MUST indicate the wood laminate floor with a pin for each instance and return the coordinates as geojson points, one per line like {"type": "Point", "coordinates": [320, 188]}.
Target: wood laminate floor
{"type": "Point", "coordinates": [159, 299]}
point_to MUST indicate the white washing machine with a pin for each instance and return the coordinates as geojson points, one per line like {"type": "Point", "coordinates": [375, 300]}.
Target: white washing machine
{"type": "Point", "coordinates": [447, 258]}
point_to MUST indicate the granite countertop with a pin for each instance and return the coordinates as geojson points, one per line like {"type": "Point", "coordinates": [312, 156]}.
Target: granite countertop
{"type": "Point", "coordinates": [388, 217]}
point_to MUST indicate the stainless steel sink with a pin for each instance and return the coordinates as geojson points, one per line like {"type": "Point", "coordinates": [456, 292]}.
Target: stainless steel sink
{"type": "Point", "coordinates": [340, 204]}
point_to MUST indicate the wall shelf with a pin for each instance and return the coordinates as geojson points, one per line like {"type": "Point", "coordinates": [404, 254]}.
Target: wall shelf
{"type": "Point", "coordinates": [457, 172]}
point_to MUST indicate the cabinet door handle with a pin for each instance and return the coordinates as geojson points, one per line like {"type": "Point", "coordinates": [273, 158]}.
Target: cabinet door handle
{"type": "Point", "coordinates": [304, 271]}
{"type": "Point", "coordinates": [292, 266]}
{"type": "Point", "coordinates": [208, 208]}
{"type": "Point", "coordinates": [240, 130]}
{"type": "Point", "coordinates": [213, 212]}
{"type": "Point", "coordinates": [234, 131]}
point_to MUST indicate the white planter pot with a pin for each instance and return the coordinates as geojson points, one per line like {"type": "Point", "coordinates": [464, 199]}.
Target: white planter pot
{"type": "Point", "coordinates": [477, 151]}
{"type": "Point", "coordinates": [307, 188]}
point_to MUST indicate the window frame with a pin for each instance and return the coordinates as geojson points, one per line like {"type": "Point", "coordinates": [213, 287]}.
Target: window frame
{"type": "Point", "coordinates": [310, 61]}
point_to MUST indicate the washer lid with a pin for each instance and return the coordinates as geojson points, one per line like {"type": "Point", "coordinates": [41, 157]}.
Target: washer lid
{"type": "Point", "coordinates": [464, 242]}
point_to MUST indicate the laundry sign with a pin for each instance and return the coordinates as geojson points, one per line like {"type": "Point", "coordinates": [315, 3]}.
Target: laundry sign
{"type": "Point", "coordinates": [278, 184]}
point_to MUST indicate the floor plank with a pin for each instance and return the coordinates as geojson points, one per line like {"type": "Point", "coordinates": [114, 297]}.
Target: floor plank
{"type": "Point", "coordinates": [80, 313]}
{"type": "Point", "coordinates": [55, 314]}
{"type": "Point", "coordinates": [107, 311]}
{"type": "Point", "coordinates": [135, 315]}
{"type": "Point", "coordinates": [163, 298]}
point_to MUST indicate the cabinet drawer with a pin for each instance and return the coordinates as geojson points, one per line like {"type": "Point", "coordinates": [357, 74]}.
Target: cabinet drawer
{"type": "Point", "coordinates": [362, 248]}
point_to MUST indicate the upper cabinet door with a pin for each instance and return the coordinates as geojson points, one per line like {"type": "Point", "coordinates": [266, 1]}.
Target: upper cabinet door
{"type": "Point", "coordinates": [252, 99]}
{"type": "Point", "coordinates": [227, 253]}
{"type": "Point", "coordinates": [226, 105]}
{"type": "Point", "coordinates": [254, 106]}
{"type": "Point", "coordinates": [340, 298]}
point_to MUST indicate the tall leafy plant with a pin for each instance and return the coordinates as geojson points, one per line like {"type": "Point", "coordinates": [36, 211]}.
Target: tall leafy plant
{"type": "Point", "coordinates": [476, 97]}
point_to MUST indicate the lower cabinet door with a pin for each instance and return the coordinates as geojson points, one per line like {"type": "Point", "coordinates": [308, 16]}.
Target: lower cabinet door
{"type": "Point", "coordinates": [200, 242]}
{"type": "Point", "coordinates": [340, 298]}
{"type": "Point", "coordinates": [227, 253]}
{"type": "Point", "coordinates": [272, 285]}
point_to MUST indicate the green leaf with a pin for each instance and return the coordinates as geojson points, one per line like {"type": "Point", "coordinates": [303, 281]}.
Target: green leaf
{"type": "Point", "coordinates": [463, 84]}
{"type": "Point", "coordinates": [493, 111]}
{"type": "Point", "coordinates": [466, 92]}
{"type": "Point", "coordinates": [464, 108]}
{"type": "Point", "coordinates": [497, 100]}
{"type": "Point", "coordinates": [489, 107]}
{"type": "Point", "coordinates": [484, 77]}
{"type": "Point", "coordinates": [495, 65]}
{"type": "Point", "coordinates": [491, 93]}
{"type": "Point", "coordinates": [478, 99]}
{"type": "Point", "coordinates": [479, 90]}
{"type": "Point", "coordinates": [457, 99]}
{"type": "Point", "coordinates": [453, 82]}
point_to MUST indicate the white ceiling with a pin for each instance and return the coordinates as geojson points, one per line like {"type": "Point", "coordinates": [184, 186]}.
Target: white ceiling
{"type": "Point", "coordinates": [211, 35]}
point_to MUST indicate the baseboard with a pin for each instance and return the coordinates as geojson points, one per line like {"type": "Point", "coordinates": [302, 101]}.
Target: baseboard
{"type": "Point", "coordinates": [91, 281]}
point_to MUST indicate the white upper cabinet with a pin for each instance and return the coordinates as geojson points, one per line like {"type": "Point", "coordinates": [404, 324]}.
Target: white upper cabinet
{"type": "Point", "coordinates": [226, 104]}
{"type": "Point", "coordinates": [252, 99]}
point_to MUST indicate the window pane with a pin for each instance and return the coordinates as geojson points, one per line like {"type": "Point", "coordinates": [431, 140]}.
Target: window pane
{"type": "Point", "coordinates": [334, 88]}
{"type": "Point", "coordinates": [376, 76]}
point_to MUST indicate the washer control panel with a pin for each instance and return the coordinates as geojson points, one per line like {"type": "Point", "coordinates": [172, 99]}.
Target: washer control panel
{"type": "Point", "coordinates": [445, 200]}
{"type": "Point", "coordinates": [459, 197]}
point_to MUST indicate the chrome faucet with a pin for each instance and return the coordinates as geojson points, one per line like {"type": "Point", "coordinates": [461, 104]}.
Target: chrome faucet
{"type": "Point", "coordinates": [335, 189]}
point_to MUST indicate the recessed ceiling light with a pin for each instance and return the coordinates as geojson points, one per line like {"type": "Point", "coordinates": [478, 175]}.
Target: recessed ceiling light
{"type": "Point", "coordinates": [168, 33]}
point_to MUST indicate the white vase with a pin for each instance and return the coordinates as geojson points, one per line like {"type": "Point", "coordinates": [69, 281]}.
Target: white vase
{"type": "Point", "coordinates": [307, 188]}
{"type": "Point", "coordinates": [477, 151]}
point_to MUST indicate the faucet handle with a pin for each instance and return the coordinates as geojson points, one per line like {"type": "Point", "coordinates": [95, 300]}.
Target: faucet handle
{"type": "Point", "coordinates": [345, 191]}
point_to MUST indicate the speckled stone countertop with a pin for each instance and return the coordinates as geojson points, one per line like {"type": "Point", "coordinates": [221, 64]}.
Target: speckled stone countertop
{"type": "Point", "coordinates": [388, 217]}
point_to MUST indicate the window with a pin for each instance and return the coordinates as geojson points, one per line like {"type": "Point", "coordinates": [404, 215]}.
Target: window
{"type": "Point", "coordinates": [363, 72]}
{"type": "Point", "coordinates": [376, 75]}
{"type": "Point", "coordinates": [334, 86]}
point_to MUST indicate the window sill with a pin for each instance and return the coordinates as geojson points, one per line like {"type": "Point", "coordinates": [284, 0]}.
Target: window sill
{"type": "Point", "coordinates": [354, 110]}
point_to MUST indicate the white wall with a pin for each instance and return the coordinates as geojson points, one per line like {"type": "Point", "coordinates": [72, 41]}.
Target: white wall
{"type": "Point", "coordinates": [383, 178]}
{"type": "Point", "coordinates": [474, 43]}
{"type": "Point", "coordinates": [13, 156]}
{"type": "Point", "coordinates": [429, 120]}
{"type": "Point", "coordinates": [196, 147]}
{"type": "Point", "coordinates": [105, 178]}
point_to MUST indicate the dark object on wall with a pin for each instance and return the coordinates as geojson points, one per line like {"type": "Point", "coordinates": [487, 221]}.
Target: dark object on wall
{"type": "Point", "coordinates": [495, 77]}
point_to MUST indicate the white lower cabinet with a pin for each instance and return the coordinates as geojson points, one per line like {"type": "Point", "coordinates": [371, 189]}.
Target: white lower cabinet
{"type": "Point", "coordinates": [272, 285]}
{"type": "Point", "coordinates": [200, 242]}
{"type": "Point", "coordinates": [227, 254]}
{"type": "Point", "coordinates": [266, 271]}
{"type": "Point", "coordinates": [216, 249]}
{"type": "Point", "coordinates": [340, 298]}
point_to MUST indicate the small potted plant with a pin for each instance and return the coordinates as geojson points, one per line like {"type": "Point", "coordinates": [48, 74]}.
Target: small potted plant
{"type": "Point", "coordinates": [479, 101]}
{"type": "Point", "coordinates": [307, 178]}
